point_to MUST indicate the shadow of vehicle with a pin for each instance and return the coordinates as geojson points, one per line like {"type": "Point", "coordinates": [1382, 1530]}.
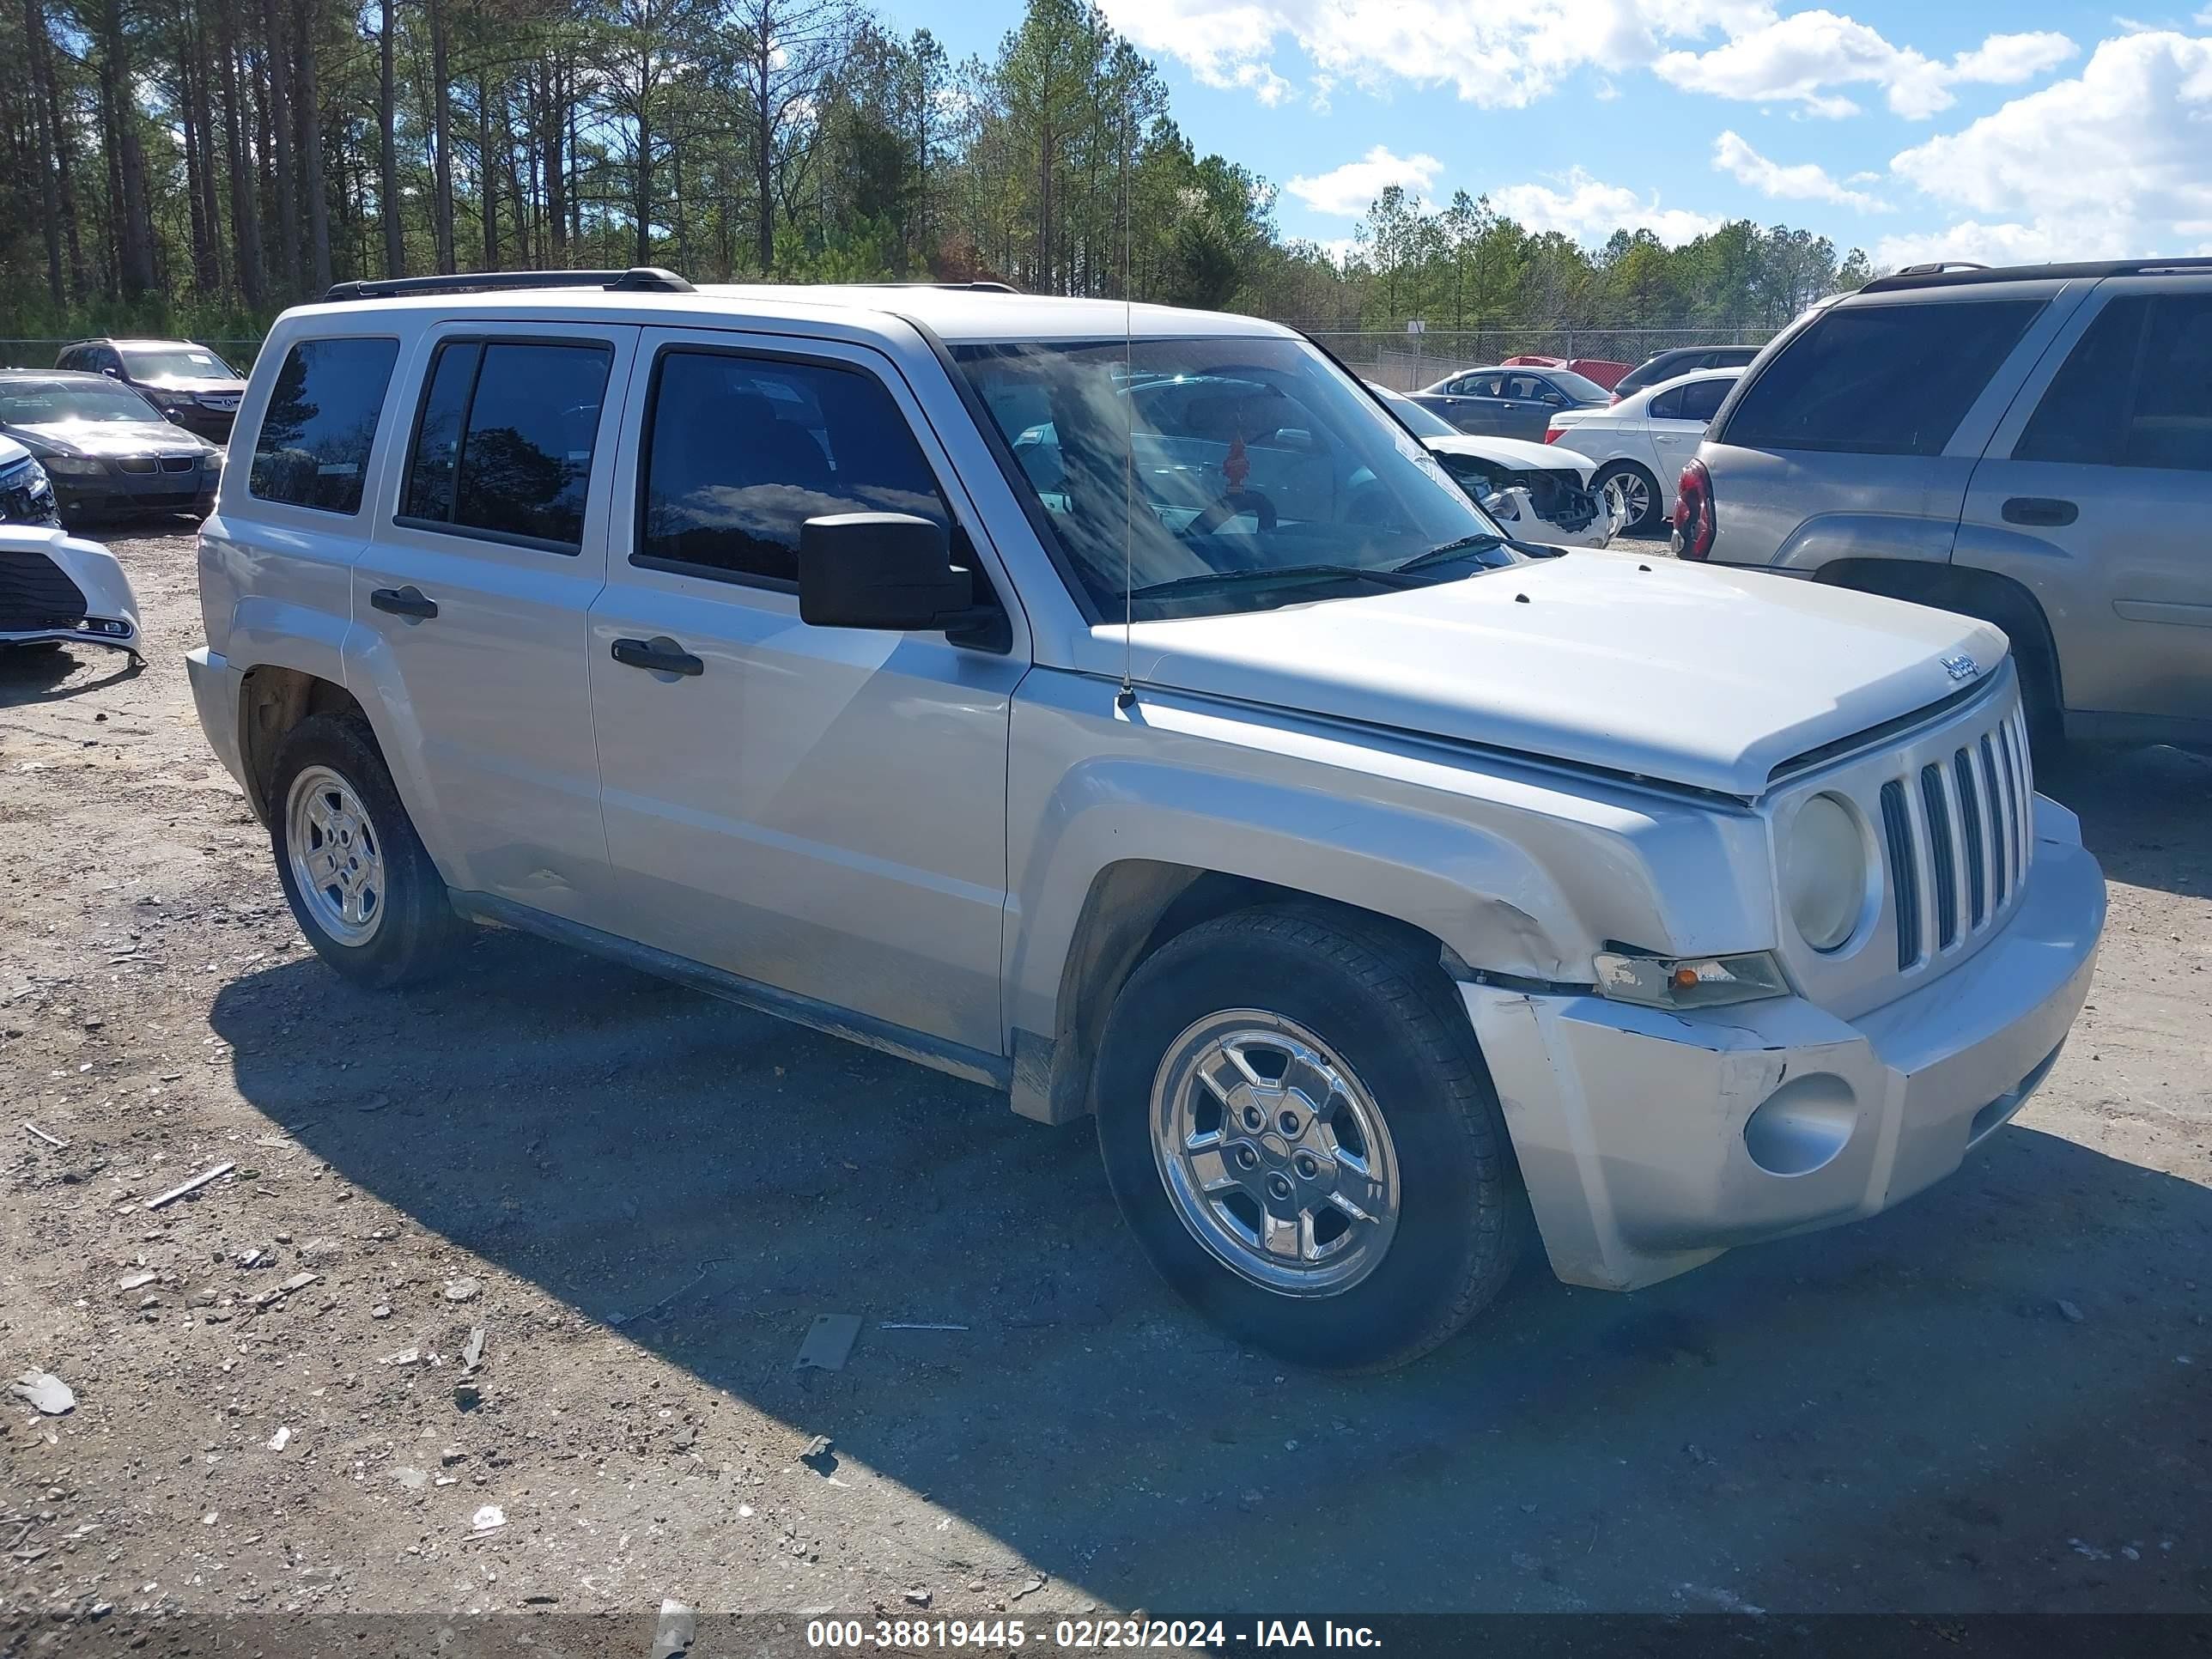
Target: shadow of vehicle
{"type": "Point", "coordinates": [2146, 813]}
{"type": "Point", "coordinates": [42, 672]}
{"type": "Point", "coordinates": [1899, 1414]}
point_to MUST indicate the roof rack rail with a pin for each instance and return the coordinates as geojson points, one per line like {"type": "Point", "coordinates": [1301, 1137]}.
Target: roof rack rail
{"type": "Point", "coordinates": [980, 285]}
{"type": "Point", "coordinates": [1954, 273]}
{"type": "Point", "coordinates": [1931, 267]}
{"type": "Point", "coordinates": [638, 279]}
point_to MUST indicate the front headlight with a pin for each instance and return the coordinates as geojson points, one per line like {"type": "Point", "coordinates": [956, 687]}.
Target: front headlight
{"type": "Point", "coordinates": [1824, 872]}
{"type": "Point", "coordinates": [75, 466]}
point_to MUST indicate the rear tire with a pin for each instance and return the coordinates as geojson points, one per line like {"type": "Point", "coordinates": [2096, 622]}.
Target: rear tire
{"type": "Point", "coordinates": [1639, 492]}
{"type": "Point", "coordinates": [1363, 1082]}
{"type": "Point", "coordinates": [359, 881]}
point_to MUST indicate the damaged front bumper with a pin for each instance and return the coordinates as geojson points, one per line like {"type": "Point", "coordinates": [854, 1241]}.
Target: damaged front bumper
{"type": "Point", "coordinates": [59, 588]}
{"type": "Point", "coordinates": [1651, 1142]}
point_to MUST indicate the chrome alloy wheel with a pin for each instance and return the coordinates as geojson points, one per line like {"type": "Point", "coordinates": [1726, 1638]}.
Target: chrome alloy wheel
{"type": "Point", "coordinates": [1274, 1154]}
{"type": "Point", "coordinates": [335, 855]}
{"type": "Point", "coordinates": [1628, 497]}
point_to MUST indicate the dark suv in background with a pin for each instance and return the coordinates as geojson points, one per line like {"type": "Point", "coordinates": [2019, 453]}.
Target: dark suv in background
{"type": "Point", "coordinates": [2032, 447]}
{"type": "Point", "coordinates": [188, 383]}
{"type": "Point", "coordinates": [1677, 360]}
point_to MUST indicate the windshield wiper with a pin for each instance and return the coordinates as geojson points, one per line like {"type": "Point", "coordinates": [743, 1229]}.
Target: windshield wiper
{"type": "Point", "coordinates": [1285, 574]}
{"type": "Point", "coordinates": [1444, 552]}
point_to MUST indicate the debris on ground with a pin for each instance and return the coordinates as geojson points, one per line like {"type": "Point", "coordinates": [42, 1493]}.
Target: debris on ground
{"type": "Point", "coordinates": [281, 1439]}
{"type": "Point", "coordinates": [2073, 1313]}
{"type": "Point", "coordinates": [490, 1518]}
{"type": "Point", "coordinates": [45, 1391]}
{"type": "Point", "coordinates": [472, 1350]}
{"type": "Point", "coordinates": [136, 1281]}
{"type": "Point", "coordinates": [820, 1455]}
{"type": "Point", "coordinates": [1029, 1587]}
{"type": "Point", "coordinates": [921, 1598]}
{"type": "Point", "coordinates": [52, 1140]}
{"type": "Point", "coordinates": [829, 1343]}
{"type": "Point", "coordinates": [296, 1282]}
{"type": "Point", "coordinates": [673, 1636]}
{"type": "Point", "coordinates": [463, 1289]}
{"type": "Point", "coordinates": [191, 1186]}
{"type": "Point", "coordinates": [908, 1325]}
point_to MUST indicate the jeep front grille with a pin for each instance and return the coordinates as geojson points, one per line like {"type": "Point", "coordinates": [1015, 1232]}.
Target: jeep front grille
{"type": "Point", "coordinates": [1957, 828]}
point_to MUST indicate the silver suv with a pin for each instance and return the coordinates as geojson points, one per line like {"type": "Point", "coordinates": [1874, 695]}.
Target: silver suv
{"type": "Point", "coordinates": [886, 659]}
{"type": "Point", "coordinates": [2031, 447]}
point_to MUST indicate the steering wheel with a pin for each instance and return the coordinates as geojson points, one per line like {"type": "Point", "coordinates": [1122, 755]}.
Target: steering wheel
{"type": "Point", "coordinates": [1218, 512]}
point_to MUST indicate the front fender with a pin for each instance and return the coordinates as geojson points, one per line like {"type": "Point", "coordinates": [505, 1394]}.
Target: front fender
{"type": "Point", "coordinates": [1520, 872]}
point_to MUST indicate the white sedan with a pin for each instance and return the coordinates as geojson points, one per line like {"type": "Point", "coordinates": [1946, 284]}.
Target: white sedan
{"type": "Point", "coordinates": [1536, 494]}
{"type": "Point", "coordinates": [1642, 443]}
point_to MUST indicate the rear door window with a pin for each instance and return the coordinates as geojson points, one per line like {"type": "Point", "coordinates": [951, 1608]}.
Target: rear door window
{"type": "Point", "coordinates": [313, 449]}
{"type": "Point", "coordinates": [1880, 380]}
{"type": "Point", "coordinates": [2136, 391]}
{"type": "Point", "coordinates": [504, 439]}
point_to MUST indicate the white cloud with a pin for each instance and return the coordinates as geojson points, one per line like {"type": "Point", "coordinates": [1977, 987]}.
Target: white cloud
{"type": "Point", "coordinates": [1590, 211]}
{"type": "Point", "coordinates": [1346, 190]}
{"type": "Point", "coordinates": [1494, 55]}
{"type": "Point", "coordinates": [1805, 182]}
{"type": "Point", "coordinates": [2108, 164]}
{"type": "Point", "coordinates": [1802, 57]}
{"type": "Point", "coordinates": [1506, 57]}
{"type": "Point", "coordinates": [1261, 82]}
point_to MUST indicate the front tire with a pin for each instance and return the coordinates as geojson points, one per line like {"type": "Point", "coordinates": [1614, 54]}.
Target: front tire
{"type": "Point", "coordinates": [1300, 1131]}
{"type": "Point", "coordinates": [359, 883]}
{"type": "Point", "coordinates": [1638, 492]}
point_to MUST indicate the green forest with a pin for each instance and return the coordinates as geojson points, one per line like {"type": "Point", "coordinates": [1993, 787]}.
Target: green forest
{"type": "Point", "coordinates": [194, 165]}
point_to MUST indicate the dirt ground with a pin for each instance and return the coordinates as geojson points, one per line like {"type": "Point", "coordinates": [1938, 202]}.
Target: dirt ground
{"type": "Point", "coordinates": [1995, 1398]}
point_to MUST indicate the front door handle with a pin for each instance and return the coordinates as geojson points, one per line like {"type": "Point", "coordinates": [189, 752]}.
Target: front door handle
{"type": "Point", "coordinates": [407, 601]}
{"type": "Point", "coordinates": [660, 654]}
{"type": "Point", "coordinates": [2040, 509]}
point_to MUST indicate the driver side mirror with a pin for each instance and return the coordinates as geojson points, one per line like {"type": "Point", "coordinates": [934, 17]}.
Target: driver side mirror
{"type": "Point", "coordinates": [890, 571]}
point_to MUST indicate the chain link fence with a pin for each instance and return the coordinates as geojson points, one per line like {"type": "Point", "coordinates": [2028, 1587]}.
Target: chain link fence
{"type": "Point", "coordinates": [1407, 362]}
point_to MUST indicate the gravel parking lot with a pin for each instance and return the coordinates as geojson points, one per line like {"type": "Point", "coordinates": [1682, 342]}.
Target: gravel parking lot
{"type": "Point", "coordinates": [1993, 1399]}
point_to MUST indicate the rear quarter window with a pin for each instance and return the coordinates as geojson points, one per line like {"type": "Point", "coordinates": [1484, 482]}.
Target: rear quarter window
{"type": "Point", "coordinates": [313, 449]}
{"type": "Point", "coordinates": [1880, 380]}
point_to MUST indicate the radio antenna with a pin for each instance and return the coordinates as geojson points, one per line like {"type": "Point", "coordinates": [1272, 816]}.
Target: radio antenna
{"type": "Point", "coordinates": [1126, 696]}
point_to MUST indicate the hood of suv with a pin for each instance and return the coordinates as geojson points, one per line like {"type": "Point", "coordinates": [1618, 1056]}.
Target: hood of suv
{"type": "Point", "coordinates": [1630, 662]}
{"type": "Point", "coordinates": [218, 386]}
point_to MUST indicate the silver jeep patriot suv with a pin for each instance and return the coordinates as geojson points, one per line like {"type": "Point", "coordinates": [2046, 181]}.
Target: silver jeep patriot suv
{"type": "Point", "coordinates": [1391, 894]}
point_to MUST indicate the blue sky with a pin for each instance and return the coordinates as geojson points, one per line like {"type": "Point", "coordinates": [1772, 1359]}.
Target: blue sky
{"type": "Point", "coordinates": [1965, 130]}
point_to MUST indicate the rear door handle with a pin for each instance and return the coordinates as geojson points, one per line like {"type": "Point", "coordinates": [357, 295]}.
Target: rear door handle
{"type": "Point", "coordinates": [407, 601]}
{"type": "Point", "coordinates": [660, 654]}
{"type": "Point", "coordinates": [2040, 509]}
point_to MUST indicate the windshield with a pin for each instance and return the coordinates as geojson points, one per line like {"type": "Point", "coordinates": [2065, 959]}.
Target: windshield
{"type": "Point", "coordinates": [1259, 473]}
{"type": "Point", "coordinates": [177, 362]}
{"type": "Point", "coordinates": [1421, 422]}
{"type": "Point", "coordinates": [49, 403]}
